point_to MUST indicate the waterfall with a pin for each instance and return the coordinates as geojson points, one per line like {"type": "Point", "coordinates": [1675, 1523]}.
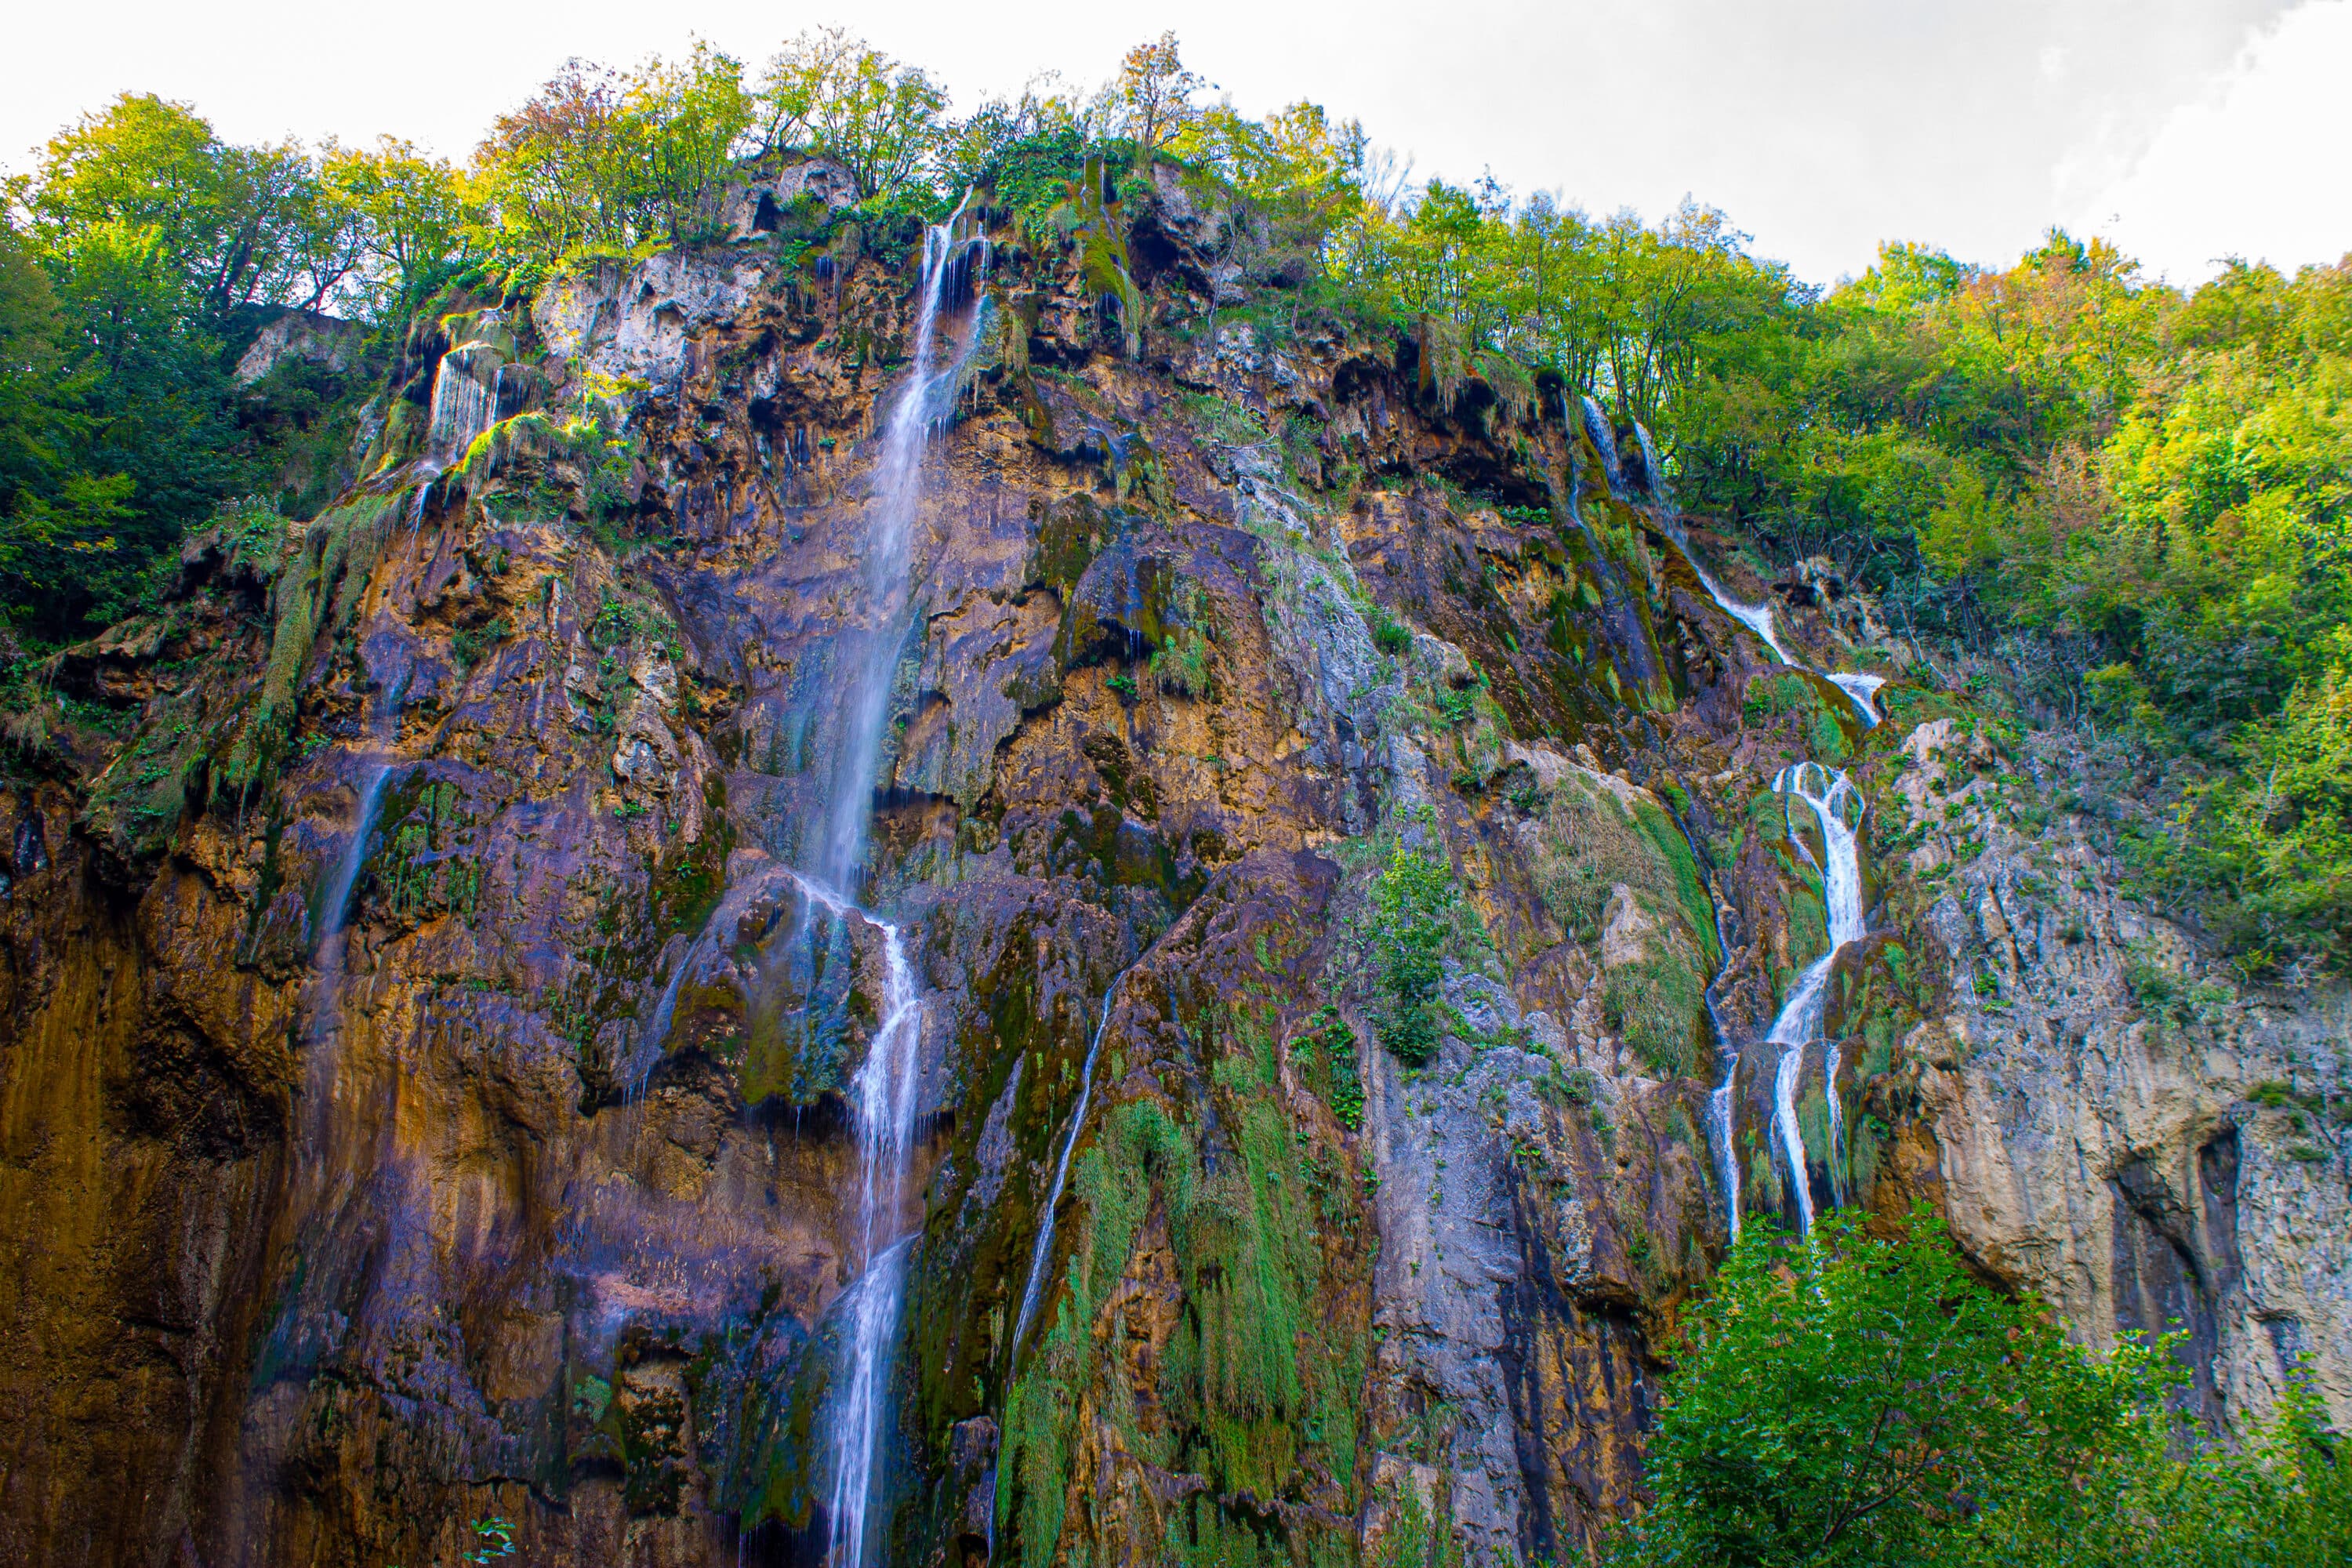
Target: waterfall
{"type": "Point", "coordinates": [1044, 1252]}
{"type": "Point", "coordinates": [334, 902]}
{"type": "Point", "coordinates": [462, 407]}
{"type": "Point", "coordinates": [898, 491]}
{"type": "Point", "coordinates": [1651, 474]}
{"type": "Point", "coordinates": [1718, 1102]}
{"type": "Point", "coordinates": [1863, 690]}
{"type": "Point", "coordinates": [882, 1096]}
{"type": "Point", "coordinates": [1596, 425]}
{"type": "Point", "coordinates": [1830, 797]}
{"type": "Point", "coordinates": [1757, 618]}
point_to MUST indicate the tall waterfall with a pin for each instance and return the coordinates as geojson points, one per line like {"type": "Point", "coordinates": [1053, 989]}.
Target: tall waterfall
{"type": "Point", "coordinates": [882, 1096]}
{"type": "Point", "coordinates": [1832, 798]}
{"type": "Point", "coordinates": [840, 853]}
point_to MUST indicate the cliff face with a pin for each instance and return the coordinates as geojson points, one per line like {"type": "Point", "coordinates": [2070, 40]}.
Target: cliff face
{"type": "Point", "coordinates": [423, 1079]}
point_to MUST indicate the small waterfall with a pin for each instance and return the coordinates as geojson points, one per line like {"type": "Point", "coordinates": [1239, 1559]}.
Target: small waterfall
{"type": "Point", "coordinates": [1830, 797]}
{"type": "Point", "coordinates": [334, 902]}
{"type": "Point", "coordinates": [1596, 425]}
{"type": "Point", "coordinates": [1044, 1252]}
{"type": "Point", "coordinates": [463, 406]}
{"type": "Point", "coordinates": [1757, 618]}
{"type": "Point", "coordinates": [1718, 1102]}
{"type": "Point", "coordinates": [1863, 690]}
{"type": "Point", "coordinates": [1653, 476]}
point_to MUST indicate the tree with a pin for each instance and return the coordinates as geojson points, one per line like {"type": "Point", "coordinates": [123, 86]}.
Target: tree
{"type": "Point", "coordinates": [601, 162]}
{"type": "Point", "coordinates": [882, 121]}
{"type": "Point", "coordinates": [408, 214]}
{"type": "Point", "coordinates": [1150, 99]}
{"type": "Point", "coordinates": [50, 510]}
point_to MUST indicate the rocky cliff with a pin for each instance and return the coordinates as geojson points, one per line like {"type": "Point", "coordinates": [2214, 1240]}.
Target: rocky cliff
{"type": "Point", "coordinates": [423, 1081]}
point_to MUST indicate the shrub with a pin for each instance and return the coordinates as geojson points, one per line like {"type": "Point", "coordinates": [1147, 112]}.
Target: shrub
{"type": "Point", "coordinates": [1862, 1399]}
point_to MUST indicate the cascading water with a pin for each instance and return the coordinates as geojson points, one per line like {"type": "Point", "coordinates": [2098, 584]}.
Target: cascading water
{"type": "Point", "coordinates": [1044, 1252]}
{"type": "Point", "coordinates": [898, 491]}
{"type": "Point", "coordinates": [334, 902]}
{"type": "Point", "coordinates": [882, 1108]}
{"type": "Point", "coordinates": [1757, 618]}
{"type": "Point", "coordinates": [1863, 690]}
{"type": "Point", "coordinates": [1832, 798]}
{"type": "Point", "coordinates": [463, 407]}
{"type": "Point", "coordinates": [334, 911]}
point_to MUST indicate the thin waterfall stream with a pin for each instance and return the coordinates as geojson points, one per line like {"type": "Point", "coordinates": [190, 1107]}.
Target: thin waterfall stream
{"type": "Point", "coordinates": [1044, 1252]}
{"type": "Point", "coordinates": [1830, 795]}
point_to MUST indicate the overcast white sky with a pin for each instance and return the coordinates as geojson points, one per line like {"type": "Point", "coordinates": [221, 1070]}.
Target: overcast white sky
{"type": "Point", "coordinates": [2187, 130]}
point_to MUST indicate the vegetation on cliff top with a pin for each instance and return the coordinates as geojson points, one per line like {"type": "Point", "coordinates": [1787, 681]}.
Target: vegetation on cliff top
{"type": "Point", "coordinates": [2134, 495]}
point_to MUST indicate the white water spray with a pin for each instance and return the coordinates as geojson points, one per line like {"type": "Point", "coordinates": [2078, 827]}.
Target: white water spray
{"type": "Point", "coordinates": [1833, 802]}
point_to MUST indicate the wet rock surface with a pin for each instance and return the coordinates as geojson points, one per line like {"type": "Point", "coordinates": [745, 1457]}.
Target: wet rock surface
{"type": "Point", "coordinates": [514, 1181]}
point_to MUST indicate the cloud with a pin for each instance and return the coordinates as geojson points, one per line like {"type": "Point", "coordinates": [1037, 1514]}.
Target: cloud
{"type": "Point", "coordinates": [2259, 166]}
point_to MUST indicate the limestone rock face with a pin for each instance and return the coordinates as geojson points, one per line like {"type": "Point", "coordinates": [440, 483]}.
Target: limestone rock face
{"type": "Point", "coordinates": [2120, 1126]}
{"type": "Point", "coordinates": [424, 1073]}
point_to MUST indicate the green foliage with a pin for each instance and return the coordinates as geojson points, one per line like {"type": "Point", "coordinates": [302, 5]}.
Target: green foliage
{"type": "Point", "coordinates": [1418, 919]}
{"type": "Point", "coordinates": [1862, 1399]}
{"type": "Point", "coordinates": [1255, 1388]}
{"type": "Point", "coordinates": [2265, 849]}
{"type": "Point", "coordinates": [598, 162]}
{"type": "Point", "coordinates": [1327, 1048]}
{"type": "Point", "coordinates": [882, 121]}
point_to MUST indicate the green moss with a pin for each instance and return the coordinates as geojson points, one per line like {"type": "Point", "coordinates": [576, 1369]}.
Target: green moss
{"type": "Point", "coordinates": [425, 865]}
{"type": "Point", "coordinates": [1657, 1005]}
{"type": "Point", "coordinates": [1258, 1386]}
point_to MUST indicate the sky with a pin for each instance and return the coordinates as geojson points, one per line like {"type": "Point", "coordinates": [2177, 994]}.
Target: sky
{"type": "Point", "coordinates": [2187, 131]}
